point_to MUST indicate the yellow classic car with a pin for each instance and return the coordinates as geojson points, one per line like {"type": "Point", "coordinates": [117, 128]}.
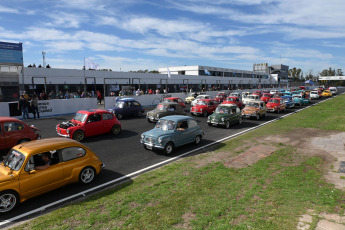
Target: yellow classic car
{"type": "Point", "coordinates": [256, 109]}
{"type": "Point", "coordinates": [326, 93]}
{"type": "Point", "coordinates": [36, 167]}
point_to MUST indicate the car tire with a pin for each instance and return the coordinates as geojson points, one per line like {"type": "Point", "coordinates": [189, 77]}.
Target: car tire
{"type": "Point", "coordinates": [205, 114]}
{"type": "Point", "coordinates": [119, 116]}
{"type": "Point", "coordinates": [169, 148]}
{"type": "Point", "coordinates": [240, 120]}
{"type": "Point", "coordinates": [197, 140]}
{"type": "Point", "coordinates": [78, 135]}
{"type": "Point", "coordinates": [227, 124]}
{"type": "Point", "coordinates": [116, 129]}
{"type": "Point", "coordinates": [9, 200]}
{"type": "Point", "coordinates": [140, 114]}
{"type": "Point", "coordinates": [87, 175]}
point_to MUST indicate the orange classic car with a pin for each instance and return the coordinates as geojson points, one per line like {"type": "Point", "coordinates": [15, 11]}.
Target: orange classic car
{"type": "Point", "coordinates": [36, 167]}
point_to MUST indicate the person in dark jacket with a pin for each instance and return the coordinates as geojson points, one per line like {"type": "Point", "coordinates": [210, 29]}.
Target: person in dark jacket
{"type": "Point", "coordinates": [23, 106]}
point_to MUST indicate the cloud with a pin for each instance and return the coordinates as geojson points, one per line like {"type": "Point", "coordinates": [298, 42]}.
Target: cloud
{"type": "Point", "coordinates": [67, 20]}
{"type": "Point", "coordinates": [4, 9]}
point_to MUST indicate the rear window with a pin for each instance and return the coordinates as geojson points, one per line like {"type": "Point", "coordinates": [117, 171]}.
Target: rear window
{"type": "Point", "coordinates": [72, 153]}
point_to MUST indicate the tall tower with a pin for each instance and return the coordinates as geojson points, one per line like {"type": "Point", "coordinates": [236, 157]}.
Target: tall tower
{"type": "Point", "coordinates": [44, 58]}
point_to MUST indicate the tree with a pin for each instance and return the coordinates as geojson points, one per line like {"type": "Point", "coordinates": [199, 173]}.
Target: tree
{"type": "Point", "coordinates": [339, 72]}
{"type": "Point", "coordinates": [296, 74]}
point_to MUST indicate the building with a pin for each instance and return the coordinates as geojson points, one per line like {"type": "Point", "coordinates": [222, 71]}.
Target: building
{"type": "Point", "coordinates": [279, 73]}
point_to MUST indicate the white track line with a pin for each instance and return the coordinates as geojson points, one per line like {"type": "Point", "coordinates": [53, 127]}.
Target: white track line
{"type": "Point", "coordinates": [128, 176]}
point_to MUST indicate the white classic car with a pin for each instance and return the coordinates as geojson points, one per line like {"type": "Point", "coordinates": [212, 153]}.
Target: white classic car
{"type": "Point", "coordinates": [193, 103]}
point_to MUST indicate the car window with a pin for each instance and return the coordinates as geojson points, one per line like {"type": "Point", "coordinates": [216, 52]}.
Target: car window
{"type": "Point", "coordinates": [192, 124]}
{"type": "Point", "coordinates": [107, 116]}
{"type": "Point", "coordinates": [13, 126]}
{"type": "Point", "coordinates": [182, 125]}
{"type": "Point", "coordinates": [179, 100]}
{"type": "Point", "coordinates": [136, 103]}
{"type": "Point", "coordinates": [233, 111]}
{"type": "Point", "coordinates": [94, 118]}
{"type": "Point", "coordinates": [72, 153]}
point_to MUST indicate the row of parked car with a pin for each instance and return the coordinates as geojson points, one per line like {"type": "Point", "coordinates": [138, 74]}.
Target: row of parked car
{"type": "Point", "coordinates": [33, 166]}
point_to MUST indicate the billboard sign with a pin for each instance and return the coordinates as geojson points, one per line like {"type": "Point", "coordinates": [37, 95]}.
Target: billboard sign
{"type": "Point", "coordinates": [11, 53]}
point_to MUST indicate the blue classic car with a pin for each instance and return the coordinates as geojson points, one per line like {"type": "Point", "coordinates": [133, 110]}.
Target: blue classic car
{"type": "Point", "coordinates": [171, 132]}
{"type": "Point", "coordinates": [126, 107]}
{"type": "Point", "coordinates": [300, 100]}
{"type": "Point", "coordinates": [288, 101]}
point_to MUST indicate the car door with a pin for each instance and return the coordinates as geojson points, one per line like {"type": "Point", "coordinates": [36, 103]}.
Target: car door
{"type": "Point", "coordinates": [108, 121]}
{"type": "Point", "coordinates": [13, 133]}
{"type": "Point", "coordinates": [182, 133]}
{"type": "Point", "coordinates": [94, 125]}
{"type": "Point", "coordinates": [40, 181]}
{"type": "Point", "coordinates": [72, 161]}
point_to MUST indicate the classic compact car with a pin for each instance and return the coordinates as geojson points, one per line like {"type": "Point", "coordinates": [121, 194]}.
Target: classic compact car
{"type": "Point", "coordinates": [204, 96]}
{"type": "Point", "coordinates": [265, 97]}
{"type": "Point", "coordinates": [234, 100]}
{"type": "Point", "coordinates": [276, 105]}
{"type": "Point", "coordinates": [225, 115]}
{"type": "Point", "coordinates": [333, 90]}
{"type": "Point", "coordinates": [191, 97]}
{"type": "Point", "coordinates": [250, 98]}
{"type": "Point", "coordinates": [220, 97]}
{"type": "Point", "coordinates": [204, 107]}
{"type": "Point", "coordinates": [256, 109]}
{"type": "Point", "coordinates": [314, 94]}
{"type": "Point", "coordinates": [288, 101]}
{"type": "Point", "coordinates": [175, 99]}
{"type": "Point", "coordinates": [326, 93]}
{"type": "Point", "coordinates": [89, 123]}
{"type": "Point", "coordinates": [37, 167]}
{"type": "Point", "coordinates": [165, 109]}
{"type": "Point", "coordinates": [126, 107]}
{"type": "Point", "coordinates": [257, 92]}
{"type": "Point", "coordinates": [171, 132]}
{"type": "Point", "coordinates": [300, 100]}
{"type": "Point", "coordinates": [245, 94]}
{"type": "Point", "coordinates": [273, 91]}
{"type": "Point", "coordinates": [14, 131]}
{"type": "Point", "coordinates": [235, 94]}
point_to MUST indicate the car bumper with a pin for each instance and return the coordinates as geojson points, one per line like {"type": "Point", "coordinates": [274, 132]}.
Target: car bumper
{"type": "Point", "coordinates": [215, 123]}
{"type": "Point", "coordinates": [151, 146]}
{"type": "Point", "coordinates": [151, 118]}
{"type": "Point", "coordinates": [249, 115]}
{"type": "Point", "coordinates": [271, 110]}
{"type": "Point", "coordinates": [63, 135]}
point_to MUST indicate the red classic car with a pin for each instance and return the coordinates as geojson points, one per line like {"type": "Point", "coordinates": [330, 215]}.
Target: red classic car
{"type": "Point", "coordinates": [276, 105]}
{"type": "Point", "coordinates": [221, 96]}
{"type": "Point", "coordinates": [175, 99]}
{"type": "Point", "coordinates": [14, 131]}
{"type": "Point", "coordinates": [265, 97]}
{"type": "Point", "coordinates": [257, 92]}
{"type": "Point", "coordinates": [89, 123]}
{"type": "Point", "coordinates": [204, 107]}
{"type": "Point", "coordinates": [234, 100]}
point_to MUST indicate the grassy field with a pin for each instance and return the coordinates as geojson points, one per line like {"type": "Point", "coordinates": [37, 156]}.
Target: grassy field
{"type": "Point", "coordinates": [270, 194]}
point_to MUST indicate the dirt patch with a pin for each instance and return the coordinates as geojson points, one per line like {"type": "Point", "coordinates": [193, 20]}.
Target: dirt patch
{"type": "Point", "coordinates": [187, 217]}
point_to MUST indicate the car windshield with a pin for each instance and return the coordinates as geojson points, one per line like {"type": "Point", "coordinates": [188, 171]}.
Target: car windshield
{"type": "Point", "coordinates": [273, 101]}
{"type": "Point", "coordinates": [230, 99]}
{"type": "Point", "coordinates": [202, 103]}
{"type": "Point", "coordinates": [251, 104]}
{"type": "Point", "coordinates": [266, 95]}
{"type": "Point", "coordinates": [222, 110]}
{"type": "Point", "coordinates": [80, 117]}
{"type": "Point", "coordinates": [119, 104]}
{"type": "Point", "coordinates": [220, 95]}
{"type": "Point", "coordinates": [168, 100]}
{"type": "Point", "coordinates": [161, 107]}
{"type": "Point", "coordinates": [165, 124]}
{"type": "Point", "coordinates": [14, 160]}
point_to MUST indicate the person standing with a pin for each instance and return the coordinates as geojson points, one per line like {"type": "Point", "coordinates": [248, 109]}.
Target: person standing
{"type": "Point", "coordinates": [99, 97]}
{"type": "Point", "coordinates": [23, 106]}
{"type": "Point", "coordinates": [34, 106]}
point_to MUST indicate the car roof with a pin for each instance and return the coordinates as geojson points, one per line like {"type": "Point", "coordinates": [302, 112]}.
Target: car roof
{"type": "Point", "coordinates": [276, 98]}
{"type": "Point", "coordinates": [228, 105]}
{"type": "Point", "coordinates": [256, 101]}
{"type": "Point", "coordinates": [126, 99]}
{"type": "Point", "coordinates": [177, 118]}
{"type": "Point", "coordinates": [6, 119]}
{"type": "Point", "coordinates": [172, 98]}
{"type": "Point", "coordinates": [206, 100]}
{"type": "Point", "coordinates": [92, 111]}
{"type": "Point", "coordinates": [169, 103]}
{"type": "Point", "coordinates": [46, 144]}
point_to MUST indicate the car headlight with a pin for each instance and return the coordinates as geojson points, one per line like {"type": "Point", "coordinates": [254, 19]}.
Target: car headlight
{"type": "Point", "coordinates": [201, 110]}
{"type": "Point", "coordinates": [160, 139]}
{"type": "Point", "coordinates": [142, 136]}
{"type": "Point", "coordinates": [67, 130]}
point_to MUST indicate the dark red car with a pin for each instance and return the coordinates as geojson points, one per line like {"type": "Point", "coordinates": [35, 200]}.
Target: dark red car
{"type": "Point", "coordinates": [204, 107]}
{"type": "Point", "coordinates": [234, 100]}
{"type": "Point", "coordinates": [14, 131]}
{"type": "Point", "coordinates": [175, 99]}
{"type": "Point", "coordinates": [220, 97]}
{"type": "Point", "coordinates": [265, 97]}
{"type": "Point", "coordinates": [89, 123]}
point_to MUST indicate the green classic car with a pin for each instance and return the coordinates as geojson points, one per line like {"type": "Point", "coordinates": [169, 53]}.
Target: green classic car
{"type": "Point", "coordinates": [225, 115]}
{"type": "Point", "coordinates": [165, 109]}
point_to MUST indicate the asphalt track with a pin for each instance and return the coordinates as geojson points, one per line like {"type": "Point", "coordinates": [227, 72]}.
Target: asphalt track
{"type": "Point", "coordinates": [124, 156]}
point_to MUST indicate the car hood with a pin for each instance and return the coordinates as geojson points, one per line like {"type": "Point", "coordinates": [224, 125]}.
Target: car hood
{"type": "Point", "coordinates": [250, 109]}
{"type": "Point", "coordinates": [155, 133]}
{"type": "Point", "coordinates": [271, 104]}
{"type": "Point", "coordinates": [218, 116]}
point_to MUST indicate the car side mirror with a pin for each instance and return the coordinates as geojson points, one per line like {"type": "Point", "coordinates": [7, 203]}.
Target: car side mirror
{"type": "Point", "coordinates": [32, 171]}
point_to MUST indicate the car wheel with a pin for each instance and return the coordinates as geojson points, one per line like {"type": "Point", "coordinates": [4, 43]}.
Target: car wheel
{"type": "Point", "coordinates": [87, 175]}
{"type": "Point", "coordinates": [197, 139]}
{"type": "Point", "coordinates": [257, 116]}
{"type": "Point", "coordinates": [240, 120]}
{"type": "Point", "coordinates": [140, 114]}
{"type": "Point", "coordinates": [169, 147]}
{"type": "Point", "coordinates": [8, 201]}
{"type": "Point", "coordinates": [116, 129]}
{"type": "Point", "coordinates": [227, 124]}
{"type": "Point", "coordinates": [119, 116]}
{"type": "Point", "coordinates": [205, 113]}
{"type": "Point", "coordinates": [78, 135]}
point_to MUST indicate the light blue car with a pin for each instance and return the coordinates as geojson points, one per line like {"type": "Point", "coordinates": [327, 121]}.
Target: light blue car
{"type": "Point", "coordinates": [300, 100]}
{"type": "Point", "coordinates": [171, 132]}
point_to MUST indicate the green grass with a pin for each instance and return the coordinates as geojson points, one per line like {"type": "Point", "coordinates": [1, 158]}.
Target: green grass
{"type": "Point", "coordinates": [266, 195]}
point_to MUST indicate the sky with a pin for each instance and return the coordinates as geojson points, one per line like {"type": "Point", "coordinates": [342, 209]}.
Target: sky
{"type": "Point", "coordinates": [130, 35]}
